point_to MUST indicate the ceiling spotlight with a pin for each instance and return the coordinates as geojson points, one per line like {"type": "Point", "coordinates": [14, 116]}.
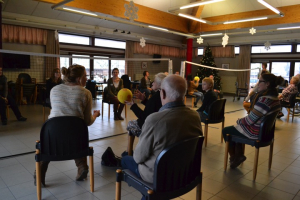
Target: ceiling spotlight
{"type": "Point", "coordinates": [123, 32]}
{"type": "Point", "coordinates": [128, 32]}
{"type": "Point", "coordinates": [116, 30]}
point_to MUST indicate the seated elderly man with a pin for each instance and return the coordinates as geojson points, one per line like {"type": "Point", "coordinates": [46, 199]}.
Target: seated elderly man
{"type": "Point", "coordinates": [172, 123]}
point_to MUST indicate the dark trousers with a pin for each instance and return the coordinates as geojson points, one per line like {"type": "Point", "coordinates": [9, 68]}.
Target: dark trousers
{"type": "Point", "coordinates": [13, 106]}
{"type": "Point", "coordinates": [116, 103]}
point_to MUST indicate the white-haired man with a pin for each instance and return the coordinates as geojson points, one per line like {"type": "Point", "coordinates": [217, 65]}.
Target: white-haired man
{"type": "Point", "coordinates": [174, 122]}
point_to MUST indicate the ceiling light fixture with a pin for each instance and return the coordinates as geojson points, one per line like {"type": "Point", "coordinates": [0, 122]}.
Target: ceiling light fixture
{"type": "Point", "coordinates": [163, 29]}
{"type": "Point", "coordinates": [213, 34]}
{"type": "Point", "coordinates": [245, 20]}
{"type": "Point", "coordinates": [199, 4]}
{"type": "Point", "coordinates": [285, 28]}
{"type": "Point", "coordinates": [191, 17]}
{"type": "Point", "coordinates": [270, 7]}
{"type": "Point", "coordinates": [79, 11]}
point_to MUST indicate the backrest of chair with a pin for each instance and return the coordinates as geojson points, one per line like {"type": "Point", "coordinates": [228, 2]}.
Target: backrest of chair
{"type": "Point", "coordinates": [292, 99]}
{"type": "Point", "coordinates": [178, 165]}
{"type": "Point", "coordinates": [126, 81]}
{"type": "Point", "coordinates": [267, 128]}
{"type": "Point", "coordinates": [105, 94]}
{"type": "Point", "coordinates": [64, 138]}
{"type": "Point", "coordinates": [25, 77]}
{"type": "Point", "coordinates": [216, 110]}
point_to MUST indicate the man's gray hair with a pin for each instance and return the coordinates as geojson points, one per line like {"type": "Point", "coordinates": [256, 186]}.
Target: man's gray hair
{"type": "Point", "coordinates": [175, 87]}
{"type": "Point", "coordinates": [158, 78]}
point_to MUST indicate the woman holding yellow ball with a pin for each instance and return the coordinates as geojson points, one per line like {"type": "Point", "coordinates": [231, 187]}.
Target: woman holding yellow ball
{"type": "Point", "coordinates": [192, 85]}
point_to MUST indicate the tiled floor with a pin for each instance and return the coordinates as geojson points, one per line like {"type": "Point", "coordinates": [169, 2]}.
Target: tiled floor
{"type": "Point", "coordinates": [281, 182]}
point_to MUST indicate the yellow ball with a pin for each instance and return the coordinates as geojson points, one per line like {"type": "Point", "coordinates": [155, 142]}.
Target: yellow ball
{"type": "Point", "coordinates": [196, 78]}
{"type": "Point", "coordinates": [124, 95]}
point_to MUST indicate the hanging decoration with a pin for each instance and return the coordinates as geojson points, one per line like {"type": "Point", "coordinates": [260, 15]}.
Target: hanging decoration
{"type": "Point", "coordinates": [252, 31]}
{"type": "Point", "coordinates": [142, 42]}
{"type": "Point", "coordinates": [267, 45]}
{"type": "Point", "coordinates": [131, 11]}
{"type": "Point", "coordinates": [56, 34]}
{"type": "Point", "coordinates": [200, 40]}
{"type": "Point", "coordinates": [225, 40]}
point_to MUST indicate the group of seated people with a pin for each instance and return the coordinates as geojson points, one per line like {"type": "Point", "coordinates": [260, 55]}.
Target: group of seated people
{"type": "Point", "coordinates": [165, 119]}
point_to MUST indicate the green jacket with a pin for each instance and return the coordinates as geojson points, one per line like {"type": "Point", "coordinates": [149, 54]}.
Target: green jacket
{"type": "Point", "coordinates": [112, 91]}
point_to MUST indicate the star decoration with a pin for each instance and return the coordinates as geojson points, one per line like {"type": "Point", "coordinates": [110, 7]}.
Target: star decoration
{"type": "Point", "coordinates": [131, 11]}
{"type": "Point", "coordinates": [267, 45]}
{"type": "Point", "coordinates": [199, 40]}
{"type": "Point", "coordinates": [225, 40]}
{"type": "Point", "coordinates": [142, 42]}
{"type": "Point", "coordinates": [252, 30]}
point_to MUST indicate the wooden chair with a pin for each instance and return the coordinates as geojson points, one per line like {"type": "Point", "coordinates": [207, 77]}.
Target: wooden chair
{"type": "Point", "coordinates": [215, 115]}
{"type": "Point", "coordinates": [289, 106]}
{"type": "Point", "coordinates": [106, 100]}
{"type": "Point", "coordinates": [177, 170]}
{"type": "Point", "coordinates": [63, 138]}
{"type": "Point", "coordinates": [265, 138]}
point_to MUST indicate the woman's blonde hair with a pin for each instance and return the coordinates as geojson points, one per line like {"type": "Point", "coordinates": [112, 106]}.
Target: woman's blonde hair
{"type": "Point", "coordinates": [72, 73]}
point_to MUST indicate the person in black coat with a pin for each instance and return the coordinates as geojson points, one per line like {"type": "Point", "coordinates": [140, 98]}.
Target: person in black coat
{"type": "Point", "coordinates": [152, 105]}
{"type": "Point", "coordinates": [209, 97]}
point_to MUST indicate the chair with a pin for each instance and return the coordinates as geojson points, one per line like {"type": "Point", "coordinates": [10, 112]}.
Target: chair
{"type": "Point", "coordinates": [190, 96]}
{"type": "Point", "coordinates": [26, 86]}
{"type": "Point", "coordinates": [176, 172]}
{"type": "Point", "coordinates": [241, 92]}
{"type": "Point", "coordinates": [63, 138]}
{"type": "Point", "coordinates": [289, 105]}
{"type": "Point", "coordinates": [91, 86]}
{"type": "Point", "coordinates": [215, 115]}
{"type": "Point", "coordinates": [106, 100]}
{"type": "Point", "coordinates": [265, 138]}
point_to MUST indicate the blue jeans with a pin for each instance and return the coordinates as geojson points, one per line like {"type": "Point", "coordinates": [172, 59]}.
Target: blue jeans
{"type": "Point", "coordinates": [199, 96]}
{"type": "Point", "coordinates": [129, 163]}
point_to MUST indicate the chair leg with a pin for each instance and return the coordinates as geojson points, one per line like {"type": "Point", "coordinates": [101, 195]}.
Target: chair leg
{"type": "Point", "coordinates": [125, 111]}
{"type": "Point", "coordinates": [293, 114]}
{"type": "Point", "coordinates": [118, 187]}
{"type": "Point", "coordinates": [199, 190]}
{"type": "Point", "coordinates": [38, 178]}
{"type": "Point", "coordinates": [102, 108]}
{"type": "Point", "coordinates": [130, 144]}
{"type": "Point", "coordinates": [255, 163]}
{"type": "Point", "coordinates": [222, 130]}
{"type": "Point", "coordinates": [91, 166]}
{"type": "Point", "coordinates": [193, 102]}
{"type": "Point", "coordinates": [271, 155]}
{"type": "Point", "coordinates": [205, 134]}
{"type": "Point", "coordinates": [108, 111]}
{"type": "Point", "coordinates": [226, 154]}
{"type": "Point", "coordinates": [288, 115]}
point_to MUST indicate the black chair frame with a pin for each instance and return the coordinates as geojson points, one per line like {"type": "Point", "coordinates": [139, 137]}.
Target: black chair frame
{"type": "Point", "coordinates": [177, 171]}
{"type": "Point", "coordinates": [291, 104]}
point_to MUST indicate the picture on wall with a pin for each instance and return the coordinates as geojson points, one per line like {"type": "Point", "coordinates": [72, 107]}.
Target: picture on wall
{"type": "Point", "coordinates": [225, 66]}
{"type": "Point", "coordinates": [144, 65]}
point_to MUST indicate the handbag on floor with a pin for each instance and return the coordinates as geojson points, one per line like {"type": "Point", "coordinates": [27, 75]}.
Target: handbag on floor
{"type": "Point", "coordinates": [109, 159]}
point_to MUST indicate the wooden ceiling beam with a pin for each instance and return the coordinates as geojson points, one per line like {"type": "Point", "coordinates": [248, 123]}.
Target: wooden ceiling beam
{"type": "Point", "coordinates": [116, 8]}
{"type": "Point", "coordinates": [291, 15]}
{"type": "Point", "coordinates": [194, 25]}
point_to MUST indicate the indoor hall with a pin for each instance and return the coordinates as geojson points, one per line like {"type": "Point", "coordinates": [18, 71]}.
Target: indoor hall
{"type": "Point", "coordinates": [281, 182]}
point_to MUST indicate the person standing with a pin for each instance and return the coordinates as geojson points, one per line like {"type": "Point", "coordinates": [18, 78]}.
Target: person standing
{"type": "Point", "coordinates": [114, 85]}
{"type": "Point", "coordinates": [145, 86]}
{"type": "Point", "coordinates": [7, 99]}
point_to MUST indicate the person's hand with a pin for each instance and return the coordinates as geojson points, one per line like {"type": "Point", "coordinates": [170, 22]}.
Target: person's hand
{"type": "Point", "coordinates": [130, 103]}
{"type": "Point", "coordinates": [140, 95]}
{"type": "Point", "coordinates": [96, 113]}
{"type": "Point", "coordinates": [5, 99]}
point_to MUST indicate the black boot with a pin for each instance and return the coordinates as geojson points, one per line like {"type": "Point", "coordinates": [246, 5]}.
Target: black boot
{"type": "Point", "coordinates": [83, 168]}
{"type": "Point", "coordinates": [239, 156]}
{"type": "Point", "coordinates": [120, 111]}
{"type": "Point", "coordinates": [116, 116]}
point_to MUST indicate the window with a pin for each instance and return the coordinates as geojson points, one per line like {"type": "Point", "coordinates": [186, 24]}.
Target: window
{"type": "Point", "coordinates": [273, 49]}
{"type": "Point", "coordinates": [101, 69]}
{"type": "Point", "coordinates": [297, 68]}
{"type": "Point", "coordinates": [254, 73]}
{"type": "Point", "coordinates": [110, 43]}
{"type": "Point", "coordinates": [84, 62]}
{"type": "Point", "coordinates": [200, 51]}
{"type": "Point", "coordinates": [237, 50]}
{"type": "Point", "coordinates": [120, 64]}
{"type": "Point", "coordinates": [298, 48]}
{"type": "Point", "coordinates": [281, 69]}
{"type": "Point", "coordinates": [64, 62]}
{"type": "Point", "coordinates": [73, 39]}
